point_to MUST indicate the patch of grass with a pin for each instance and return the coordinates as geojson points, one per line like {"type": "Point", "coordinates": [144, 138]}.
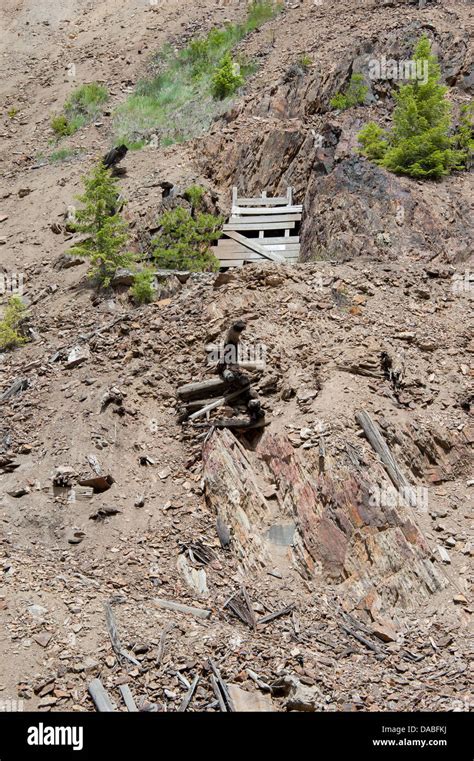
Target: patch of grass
{"type": "Point", "coordinates": [354, 95]}
{"type": "Point", "coordinates": [64, 154]}
{"type": "Point", "coordinates": [11, 334]}
{"type": "Point", "coordinates": [12, 112]}
{"type": "Point", "coordinates": [83, 106]}
{"type": "Point", "coordinates": [182, 99]}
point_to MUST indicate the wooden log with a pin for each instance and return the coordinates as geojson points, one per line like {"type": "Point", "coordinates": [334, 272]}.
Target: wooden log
{"type": "Point", "coordinates": [380, 446]}
{"type": "Point", "coordinates": [100, 697]}
{"type": "Point", "coordinates": [179, 608]}
{"type": "Point", "coordinates": [128, 698]}
{"type": "Point", "coordinates": [202, 389]}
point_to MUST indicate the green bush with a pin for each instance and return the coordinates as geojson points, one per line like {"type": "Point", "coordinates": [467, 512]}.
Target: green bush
{"type": "Point", "coordinates": [178, 102]}
{"type": "Point", "coordinates": [226, 78]}
{"type": "Point", "coordinates": [184, 241]}
{"type": "Point", "coordinates": [419, 143]}
{"type": "Point", "coordinates": [354, 95]}
{"type": "Point", "coordinates": [11, 325]}
{"type": "Point", "coordinates": [82, 107]}
{"type": "Point", "coordinates": [105, 246]}
{"type": "Point", "coordinates": [142, 290]}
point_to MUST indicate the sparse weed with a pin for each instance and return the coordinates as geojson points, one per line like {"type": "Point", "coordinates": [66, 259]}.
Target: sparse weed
{"type": "Point", "coordinates": [82, 107]}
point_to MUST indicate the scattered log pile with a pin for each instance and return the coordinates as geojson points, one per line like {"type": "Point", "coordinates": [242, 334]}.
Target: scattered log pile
{"type": "Point", "coordinates": [233, 385]}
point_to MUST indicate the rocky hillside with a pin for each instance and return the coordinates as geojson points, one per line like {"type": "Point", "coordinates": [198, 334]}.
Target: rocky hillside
{"type": "Point", "coordinates": [312, 582]}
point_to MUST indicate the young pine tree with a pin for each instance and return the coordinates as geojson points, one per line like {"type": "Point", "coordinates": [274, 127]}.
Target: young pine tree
{"type": "Point", "coordinates": [184, 241]}
{"type": "Point", "coordinates": [419, 144]}
{"type": "Point", "coordinates": [105, 246]}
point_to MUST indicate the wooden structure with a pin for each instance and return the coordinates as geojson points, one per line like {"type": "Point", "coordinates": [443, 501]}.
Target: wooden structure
{"type": "Point", "coordinates": [260, 229]}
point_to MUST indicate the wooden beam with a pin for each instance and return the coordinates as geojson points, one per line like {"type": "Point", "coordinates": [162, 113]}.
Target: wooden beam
{"type": "Point", "coordinates": [259, 226]}
{"type": "Point", "coordinates": [248, 210]}
{"type": "Point", "coordinates": [275, 201]}
{"type": "Point", "coordinates": [291, 217]}
{"type": "Point", "coordinates": [380, 446]}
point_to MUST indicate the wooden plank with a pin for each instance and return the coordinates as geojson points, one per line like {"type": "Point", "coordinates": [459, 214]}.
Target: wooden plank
{"type": "Point", "coordinates": [275, 239]}
{"type": "Point", "coordinates": [249, 210]}
{"type": "Point", "coordinates": [189, 695]}
{"type": "Point", "coordinates": [259, 226]}
{"type": "Point", "coordinates": [248, 256]}
{"type": "Point", "coordinates": [128, 698]}
{"type": "Point", "coordinates": [275, 201]}
{"type": "Point", "coordinates": [253, 246]}
{"type": "Point", "coordinates": [230, 245]}
{"type": "Point", "coordinates": [381, 447]}
{"type": "Point", "coordinates": [100, 697]}
{"type": "Point", "coordinates": [265, 218]}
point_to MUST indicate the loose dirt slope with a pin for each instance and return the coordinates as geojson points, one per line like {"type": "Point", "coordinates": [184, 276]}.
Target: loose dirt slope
{"type": "Point", "coordinates": [351, 567]}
